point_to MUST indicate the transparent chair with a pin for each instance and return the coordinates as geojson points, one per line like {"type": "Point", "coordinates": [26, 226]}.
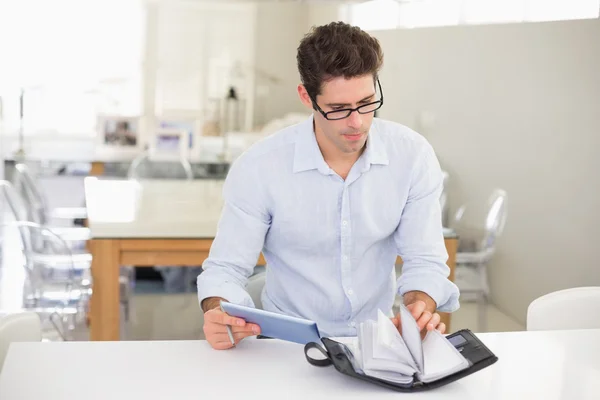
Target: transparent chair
{"type": "Point", "coordinates": [37, 208]}
{"type": "Point", "coordinates": [144, 167]}
{"type": "Point", "coordinates": [36, 275]}
{"type": "Point", "coordinates": [15, 209]}
{"type": "Point", "coordinates": [444, 199]}
{"type": "Point", "coordinates": [175, 279]}
{"type": "Point", "coordinates": [478, 233]}
{"type": "Point", "coordinates": [15, 205]}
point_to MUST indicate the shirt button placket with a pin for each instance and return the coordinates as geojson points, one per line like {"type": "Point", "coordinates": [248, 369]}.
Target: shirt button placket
{"type": "Point", "coordinates": [346, 247]}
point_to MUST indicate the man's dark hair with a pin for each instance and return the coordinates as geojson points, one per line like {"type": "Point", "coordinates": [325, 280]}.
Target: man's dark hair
{"type": "Point", "coordinates": [334, 50]}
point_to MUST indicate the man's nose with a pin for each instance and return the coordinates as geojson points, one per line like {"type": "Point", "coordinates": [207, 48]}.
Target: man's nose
{"type": "Point", "coordinates": [355, 120]}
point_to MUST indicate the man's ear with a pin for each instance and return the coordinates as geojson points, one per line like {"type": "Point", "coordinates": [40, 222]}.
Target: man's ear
{"type": "Point", "coordinates": [304, 97]}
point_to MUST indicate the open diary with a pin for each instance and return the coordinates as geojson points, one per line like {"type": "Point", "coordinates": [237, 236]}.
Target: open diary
{"type": "Point", "coordinates": [403, 361]}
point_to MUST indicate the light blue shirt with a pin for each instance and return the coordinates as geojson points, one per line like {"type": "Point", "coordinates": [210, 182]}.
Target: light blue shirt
{"type": "Point", "coordinates": [331, 244]}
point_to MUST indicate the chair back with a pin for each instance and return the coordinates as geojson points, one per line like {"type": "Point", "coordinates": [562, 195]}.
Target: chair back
{"type": "Point", "coordinates": [12, 206]}
{"type": "Point", "coordinates": [479, 228]}
{"type": "Point", "coordinates": [18, 327]}
{"type": "Point", "coordinates": [28, 189]}
{"type": "Point", "coordinates": [28, 246]}
{"type": "Point", "coordinates": [575, 308]}
{"type": "Point", "coordinates": [496, 217]}
{"type": "Point", "coordinates": [143, 167]}
{"type": "Point", "coordinates": [444, 199]}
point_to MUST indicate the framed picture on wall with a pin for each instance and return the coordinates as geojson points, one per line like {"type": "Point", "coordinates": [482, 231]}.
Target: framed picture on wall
{"type": "Point", "coordinates": [119, 133]}
{"type": "Point", "coordinates": [169, 144]}
{"type": "Point", "coordinates": [187, 125]}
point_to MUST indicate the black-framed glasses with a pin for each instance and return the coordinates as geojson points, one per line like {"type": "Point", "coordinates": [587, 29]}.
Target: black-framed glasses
{"type": "Point", "coordinates": [345, 112]}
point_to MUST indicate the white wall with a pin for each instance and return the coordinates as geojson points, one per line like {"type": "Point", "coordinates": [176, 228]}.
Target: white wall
{"type": "Point", "coordinates": [279, 29]}
{"type": "Point", "coordinates": [517, 107]}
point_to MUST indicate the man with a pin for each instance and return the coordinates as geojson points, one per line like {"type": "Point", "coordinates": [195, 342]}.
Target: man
{"type": "Point", "coordinates": [331, 202]}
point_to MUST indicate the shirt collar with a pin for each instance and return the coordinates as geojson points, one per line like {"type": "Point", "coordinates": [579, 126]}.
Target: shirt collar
{"type": "Point", "coordinates": [308, 156]}
{"type": "Point", "coordinates": [375, 153]}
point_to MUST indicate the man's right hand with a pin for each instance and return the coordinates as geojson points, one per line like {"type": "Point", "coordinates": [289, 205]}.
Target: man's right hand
{"type": "Point", "coordinates": [215, 328]}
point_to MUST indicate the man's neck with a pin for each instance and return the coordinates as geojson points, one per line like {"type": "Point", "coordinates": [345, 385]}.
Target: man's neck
{"type": "Point", "coordinates": [337, 160]}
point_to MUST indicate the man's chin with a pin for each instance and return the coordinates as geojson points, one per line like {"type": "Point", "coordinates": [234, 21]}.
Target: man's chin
{"type": "Point", "coordinates": [354, 147]}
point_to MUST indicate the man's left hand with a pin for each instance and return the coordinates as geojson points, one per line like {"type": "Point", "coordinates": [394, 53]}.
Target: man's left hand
{"type": "Point", "coordinates": [422, 307]}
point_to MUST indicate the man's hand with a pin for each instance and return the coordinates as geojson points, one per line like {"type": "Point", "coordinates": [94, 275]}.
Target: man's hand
{"type": "Point", "coordinates": [215, 326]}
{"type": "Point", "coordinates": [422, 307]}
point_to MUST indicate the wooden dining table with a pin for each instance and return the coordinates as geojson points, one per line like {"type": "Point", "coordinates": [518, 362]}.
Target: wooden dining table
{"type": "Point", "coordinates": [155, 222]}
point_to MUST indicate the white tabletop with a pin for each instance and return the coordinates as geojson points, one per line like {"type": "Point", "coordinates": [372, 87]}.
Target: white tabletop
{"type": "Point", "coordinates": [128, 209]}
{"type": "Point", "coordinates": [532, 365]}
{"type": "Point", "coordinates": [154, 208]}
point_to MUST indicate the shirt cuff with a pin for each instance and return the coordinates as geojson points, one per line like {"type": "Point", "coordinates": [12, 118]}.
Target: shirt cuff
{"type": "Point", "coordinates": [443, 291]}
{"type": "Point", "coordinates": [230, 291]}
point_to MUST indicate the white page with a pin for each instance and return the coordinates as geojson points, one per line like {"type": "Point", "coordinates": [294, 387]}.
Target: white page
{"type": "Point", "coordinates": [390, 345]}
{"type": "Point", "coordinates": [375, 367]}
{"type": "Point", "coordinates": [411, 336]}
{"type": "Point", "coordinates": [441, 358]}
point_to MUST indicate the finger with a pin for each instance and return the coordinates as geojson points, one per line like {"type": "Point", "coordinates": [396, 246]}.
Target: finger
{"type": "Point", "coordinates": [425, 318]}
{"type": "Point", "coordinates": [417, 309]}
{"type": "Point", "coordinates": [222, 345]}
{"type": "Point", "coordinates": [224, 337]}
{"type": "Point", "coordinates": [252, 329]}
{"type": "Point", "coordinates": [397, 323]}
{"type": "Point", "coordinates": [242, 335]}
{"type": "Point", "coordinates": [219, 317]}
{"type": "Point", "coordinates": [434, 322]}
{"type": "Point", "coordinates": [441, 328]}
{"type": "Point", "coordinates": [219, 343]}
{"type": "Point", "coordinates": [211, 328]}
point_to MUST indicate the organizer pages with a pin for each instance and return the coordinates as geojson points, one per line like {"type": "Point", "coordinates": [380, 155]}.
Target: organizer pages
{"type": "Point", "coordinates": [382, 352]}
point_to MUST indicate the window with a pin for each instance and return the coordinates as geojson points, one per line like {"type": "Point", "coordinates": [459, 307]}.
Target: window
{"type": "Point", "coordinates": [375, 14]}
{"type": "Point", "coordinates": [72, 59]}
{"type": "Point", "coordinates": [392, 14]}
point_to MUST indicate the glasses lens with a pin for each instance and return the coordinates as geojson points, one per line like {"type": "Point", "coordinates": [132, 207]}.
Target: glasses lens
{"type": "Point", "coordinates": [338, 114]}
{"type": "Point", "coordinates": [367, 108]}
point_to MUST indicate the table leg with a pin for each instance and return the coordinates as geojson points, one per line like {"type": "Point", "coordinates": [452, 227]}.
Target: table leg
{"type": "Point", "coordinates": [104, 308]}
{"type": "Point", "coordinates": [97, 168]}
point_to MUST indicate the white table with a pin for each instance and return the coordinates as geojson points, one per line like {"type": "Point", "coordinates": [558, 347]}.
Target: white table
{"type": "Point", "coordinates": [532, 365]}
{"type": "Point", "coordinates": [159, 222]}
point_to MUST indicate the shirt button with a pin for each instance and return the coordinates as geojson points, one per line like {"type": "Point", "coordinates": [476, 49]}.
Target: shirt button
{"type": "Point", "coordinates": [344, 223]}
{"type": "Point", "coordinates": [350, 292]}
{"type": "Point", "coordinates": [345, 257]}
{"type": "Point", "coordinates": [352, 323]}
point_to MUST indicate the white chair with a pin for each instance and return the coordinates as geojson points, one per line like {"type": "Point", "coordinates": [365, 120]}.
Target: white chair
{"type": "Point", "coordinates": [575, 308]}
{"type": "Point", "coordinates": [18, 327]}
{"type": "Point", "coordinates": [477, 246]}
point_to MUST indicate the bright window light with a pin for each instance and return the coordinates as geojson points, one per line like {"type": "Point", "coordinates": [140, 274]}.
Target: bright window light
{"type": "Point", "coordinates": [391, 14]}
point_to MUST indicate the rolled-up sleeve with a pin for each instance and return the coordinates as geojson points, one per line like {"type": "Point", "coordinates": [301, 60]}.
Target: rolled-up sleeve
{"type": "Point", "coordinates": [244, 222]}
{"type": "Point", "coordinates": [419, 237]}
